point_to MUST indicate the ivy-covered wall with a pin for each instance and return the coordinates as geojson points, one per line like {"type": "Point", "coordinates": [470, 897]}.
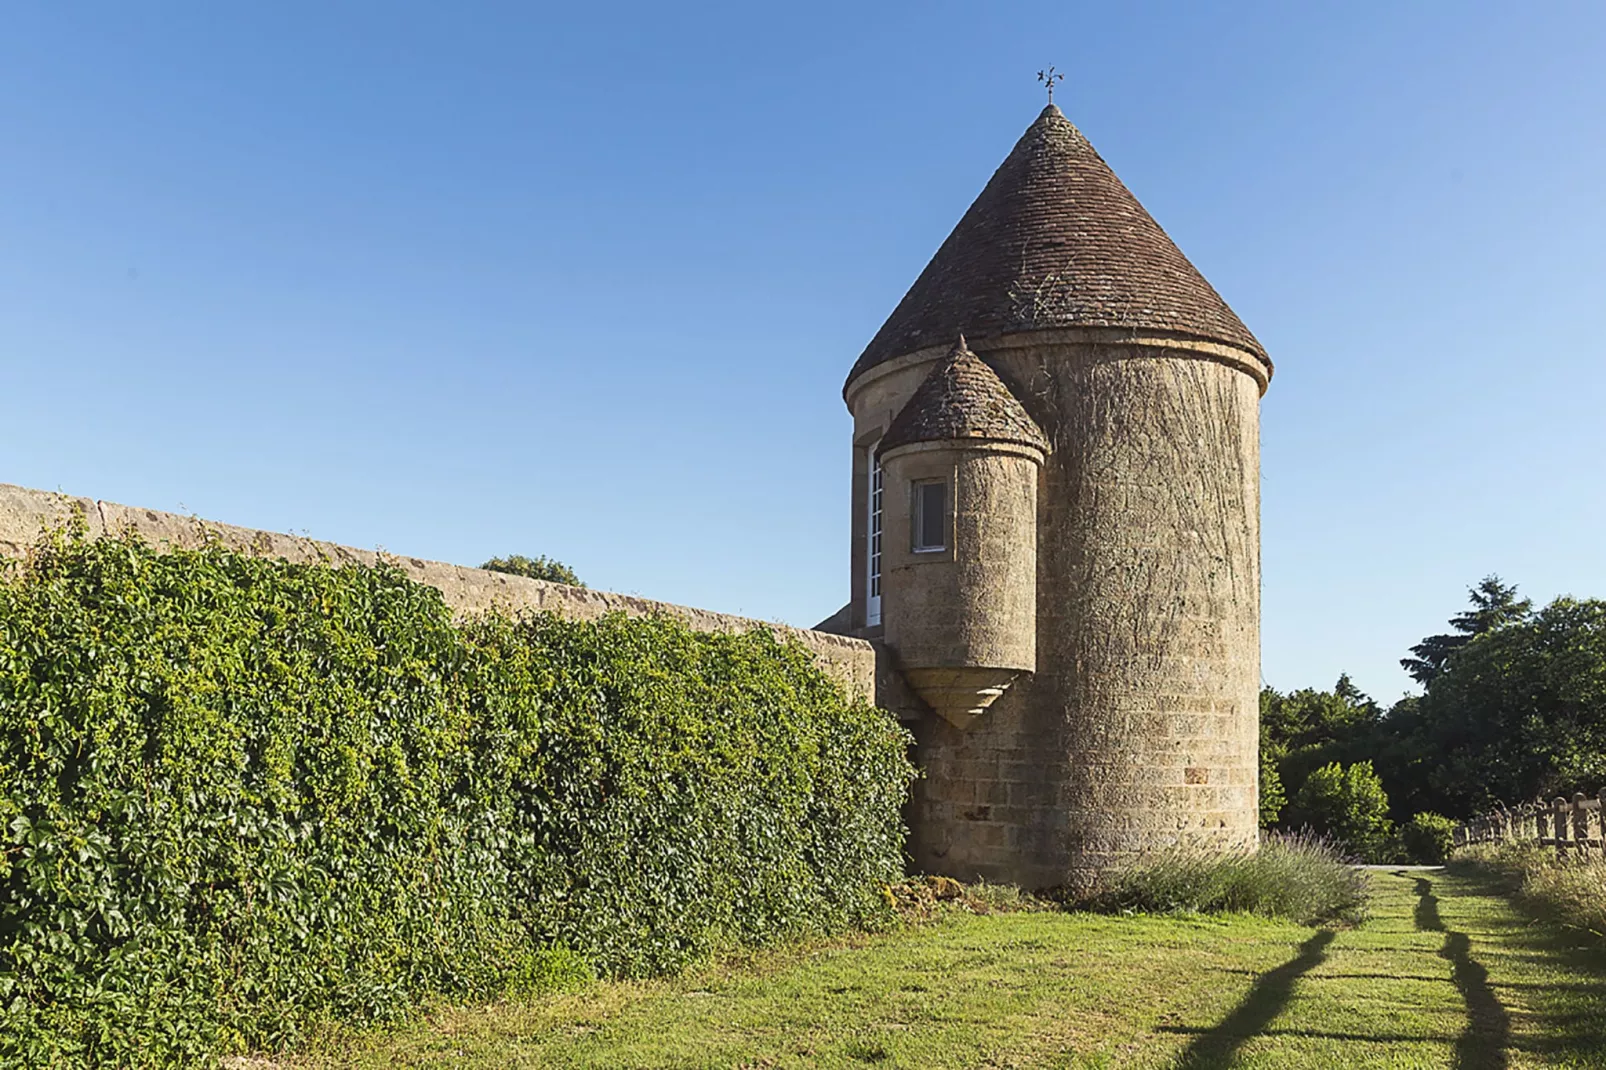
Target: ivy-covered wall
{"type": "Point", "coordinates": [26, 512]}
{"type": "Point", "coordinates": [240, 795]}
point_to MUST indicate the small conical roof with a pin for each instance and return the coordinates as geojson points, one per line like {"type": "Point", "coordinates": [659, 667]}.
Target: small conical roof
{"type": "Point", "coordinates": [1054, 240]}
{"type": "Point", "coordinates": [962, 398]}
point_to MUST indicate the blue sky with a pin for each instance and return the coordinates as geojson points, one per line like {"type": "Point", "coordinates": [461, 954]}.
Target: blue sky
{"type": "Point", "coordinates": [465, 280]}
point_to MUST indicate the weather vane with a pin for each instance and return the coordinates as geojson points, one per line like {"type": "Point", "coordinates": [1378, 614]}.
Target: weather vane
{"type": "Point", "coordinates": [1048, 77]}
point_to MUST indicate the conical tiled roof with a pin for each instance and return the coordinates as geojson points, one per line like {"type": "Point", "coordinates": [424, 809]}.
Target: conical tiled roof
{"type": "Point", "coordinates": [962, 398]}
{"type": "Point", "coordinates": [1054, 240]}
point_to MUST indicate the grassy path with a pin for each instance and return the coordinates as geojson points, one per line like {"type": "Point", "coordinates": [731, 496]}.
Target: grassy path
{"type": "Point", "coordinates": [1442, 975]}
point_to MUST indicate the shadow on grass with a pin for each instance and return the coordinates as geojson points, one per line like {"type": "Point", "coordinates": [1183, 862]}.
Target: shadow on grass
{"type": "Point", "coordinates": [1216, 1048]}
{"type": "Point", "coordinates": [1563, 1013]}
{"type": "Point", "coordinates": [1567, 1016]}
{"type": "Point", "coordinates": [1484, 1043]}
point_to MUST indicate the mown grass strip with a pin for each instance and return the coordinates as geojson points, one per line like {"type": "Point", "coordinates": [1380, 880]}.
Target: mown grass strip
{"type": "Point", "coordinates": [1444, 972]}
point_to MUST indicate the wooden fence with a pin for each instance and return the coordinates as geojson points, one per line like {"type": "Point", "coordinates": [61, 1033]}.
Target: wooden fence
{"type": "Point", "coordinates": [1569, 827]}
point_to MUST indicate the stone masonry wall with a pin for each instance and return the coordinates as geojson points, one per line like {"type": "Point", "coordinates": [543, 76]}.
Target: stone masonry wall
{"type": "Point", "coordinates": [975, 602]}
{"type": "Point", "coordinates": [1149, 618]}
{"type": "Point", "coordinates": [25, 513]}
{"type": "Point", "coordinates": [1139, 730]}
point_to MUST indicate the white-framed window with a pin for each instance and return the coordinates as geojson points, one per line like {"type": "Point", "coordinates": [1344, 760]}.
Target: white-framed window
{"type": "Point", "coordinates": [872, 602]}
{"type": "Point", "coordinates": [928, 517]}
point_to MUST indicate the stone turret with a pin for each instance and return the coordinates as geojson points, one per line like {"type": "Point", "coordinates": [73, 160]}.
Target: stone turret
{"type": "Point", "coordinates": [960, 549]}
{"type": "Point", "coordinates": [1121, 709]}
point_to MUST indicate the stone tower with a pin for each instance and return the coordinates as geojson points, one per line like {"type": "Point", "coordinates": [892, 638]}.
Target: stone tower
{"type": "Point", "coordinates": [1056, 531]}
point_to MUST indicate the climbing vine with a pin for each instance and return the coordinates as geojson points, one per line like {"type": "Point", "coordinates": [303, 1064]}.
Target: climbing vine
{"type": "Point", "coordinates": [239, 796]}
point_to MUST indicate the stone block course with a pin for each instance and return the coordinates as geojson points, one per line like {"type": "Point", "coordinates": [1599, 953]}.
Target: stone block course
{"type": "Point", "coordinates": [1139, 726]}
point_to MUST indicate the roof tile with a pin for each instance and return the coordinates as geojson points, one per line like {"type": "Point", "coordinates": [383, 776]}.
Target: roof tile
{"type": "Point", "coordinates": [1054, 240]}
{"type": "Point", "coordinates": [962, 398]}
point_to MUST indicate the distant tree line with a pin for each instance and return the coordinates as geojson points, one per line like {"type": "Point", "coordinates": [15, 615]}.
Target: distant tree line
{"type": "Point", "coordinates": [1513, 708]}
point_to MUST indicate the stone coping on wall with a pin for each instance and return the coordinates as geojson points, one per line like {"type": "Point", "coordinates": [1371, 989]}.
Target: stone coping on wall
{"type": "Point", "coordinates": [25, 513]}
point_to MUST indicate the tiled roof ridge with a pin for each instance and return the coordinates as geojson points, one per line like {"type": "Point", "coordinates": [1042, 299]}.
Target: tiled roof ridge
{"type": "Point", "coordinates": [962, 398]}
{"type": "Point", "coordinates": [1054, 240]}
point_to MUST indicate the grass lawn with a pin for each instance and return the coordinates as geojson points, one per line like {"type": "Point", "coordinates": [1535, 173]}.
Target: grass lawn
{"type": "Point", "coordinates": [1442, 974]}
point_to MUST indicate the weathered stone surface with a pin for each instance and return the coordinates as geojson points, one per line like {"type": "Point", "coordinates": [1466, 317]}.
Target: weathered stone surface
{"type": "Point", "coordinates": [963, 620]}
{"type": "Point", "coordinates": [1139, 728]}
{"type": "Point", "coordinates": [25, 513]}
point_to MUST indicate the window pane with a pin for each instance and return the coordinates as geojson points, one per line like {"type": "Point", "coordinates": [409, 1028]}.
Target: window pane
{"type": "Point", "coordinates": [872, 609]}
{"type": "Point", "coordinates": [936, 519]}
{"type": "Point", "coordinates": [931, 516]}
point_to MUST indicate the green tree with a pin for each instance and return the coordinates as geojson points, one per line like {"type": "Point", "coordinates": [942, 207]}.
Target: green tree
{"type": "Point", "coordinates": [1494, 605]}
{"type": "Point", "coordinates": [1397, 755]}
{"type": "Point", "coordinates": [536, 568]}
{"type": "Point", "coordinates": [1347, 804]}
{"type": "Point", "coordinates": [1307, 717]}
{"type": "Point", "coordinates": [1519, 711]}
{"type": "Point", "coordinates": [1514, 706]}
{"type": "Point", "coordinates": [1305, 729]}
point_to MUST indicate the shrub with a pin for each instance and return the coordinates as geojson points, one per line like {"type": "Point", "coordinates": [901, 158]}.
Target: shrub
{"type": "Point", "coordinates": [1299, 877]}
{"type": "Point", "coordinates": [1347, 805]}
{"type": "Point", "coordinates": [239, 796]}
{"type": "Point", "coordinates": [1427, 838]}
{"type": "Point", "coordinates": [1568, 890]}
{"type": "Point", "coordinates": [535, 568]}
